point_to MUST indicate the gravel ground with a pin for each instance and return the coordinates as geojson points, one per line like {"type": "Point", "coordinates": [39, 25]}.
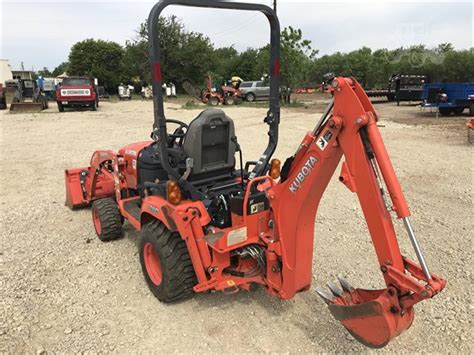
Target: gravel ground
{"type": "Point", "coordinates": [65, 291]}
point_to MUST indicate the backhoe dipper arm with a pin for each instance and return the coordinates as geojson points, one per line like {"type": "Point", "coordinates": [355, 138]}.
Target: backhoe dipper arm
{"type": "Point", "coordinates": [373, 317]}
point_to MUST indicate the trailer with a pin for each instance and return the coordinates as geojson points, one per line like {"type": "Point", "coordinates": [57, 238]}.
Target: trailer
{"type": "Point", "coordinates": [449, 98]}
{"type": "Point", "coordinates": [406, 87]}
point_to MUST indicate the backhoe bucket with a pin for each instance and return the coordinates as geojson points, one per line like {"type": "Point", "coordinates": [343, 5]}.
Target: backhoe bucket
{"type": "Point", "coordinates": [372, 317]}
{"type": "Point", "coordinates": [75, 196]}
{"type": "Point", "coordinates": [26, 107]}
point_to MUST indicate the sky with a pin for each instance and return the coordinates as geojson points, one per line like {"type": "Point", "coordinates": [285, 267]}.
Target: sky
{"type": "Point", "coordinates": [40, 33]}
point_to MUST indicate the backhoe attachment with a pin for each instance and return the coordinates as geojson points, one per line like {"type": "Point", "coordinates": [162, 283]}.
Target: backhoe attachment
{"type": "Point", "coordinates": [373, 317]}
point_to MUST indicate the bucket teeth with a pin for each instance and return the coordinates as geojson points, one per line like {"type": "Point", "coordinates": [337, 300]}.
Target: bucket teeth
{"type": "Point", "coordinates": [346, 286]}
{"type": "Point", "coordinates": [326, 296]}
{"type": "Point", "coordinates": [335, 289]}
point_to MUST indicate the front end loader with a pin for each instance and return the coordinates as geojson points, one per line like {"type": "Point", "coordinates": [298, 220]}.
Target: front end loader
{"type": "Point", "coordinates": [207, 226]}
{"type": "Point", "coordinates": [28, 97]}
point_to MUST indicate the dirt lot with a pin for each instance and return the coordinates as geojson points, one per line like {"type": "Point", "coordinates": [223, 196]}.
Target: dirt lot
{"type": "Point", "coordinates": [65, 291]}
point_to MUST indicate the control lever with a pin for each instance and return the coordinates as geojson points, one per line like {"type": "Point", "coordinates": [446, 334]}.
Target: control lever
{"type": "Point", "coordinates": [189, 168]}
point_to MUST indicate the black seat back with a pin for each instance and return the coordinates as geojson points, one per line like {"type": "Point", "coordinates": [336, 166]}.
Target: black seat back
{"type": "Point", "coordinates": [210, 142]}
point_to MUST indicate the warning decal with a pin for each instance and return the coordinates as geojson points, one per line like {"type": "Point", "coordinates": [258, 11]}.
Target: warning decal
{"type": "Point", "coordinates": [322, 143]}
{"type": "Point", "coordinates": [324, 139]}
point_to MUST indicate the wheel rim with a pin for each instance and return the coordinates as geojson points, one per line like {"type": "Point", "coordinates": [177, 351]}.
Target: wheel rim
{"type": "Point", "coordinates": [152, 264]}
{"type": "Point", "coordinates": [96, 219]}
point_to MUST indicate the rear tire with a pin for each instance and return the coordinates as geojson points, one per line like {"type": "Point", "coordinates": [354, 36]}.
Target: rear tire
{"type": "Point", "coordinates": [107, 219]}
{"type": "Point", "coordinates": [166, 264]}
{"type": "Point", "coordinates": [229, 100]}
{"type": "Point", "coordinates": [60, 107]}
{"type": "Point", "coordinates": [458, 110]}
{"type": "Point", "coordinates": [471, 110]}
{"type": "Point", "coordinates": [445, 111]}
{"type": "Point", "coordinates": [250, 97]}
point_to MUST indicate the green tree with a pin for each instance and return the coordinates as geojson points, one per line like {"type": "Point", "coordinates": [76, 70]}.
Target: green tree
{"type": "Point", "coordinates": [296, 57]}
{"type": "Point", "coordinates": [184, 54]}
{"type": "Point", "coordinates": [60, 69]}
{"type": "Point", "coordinates": [97, 59]}
{"type": "Point", "coordinates": [44, 72]}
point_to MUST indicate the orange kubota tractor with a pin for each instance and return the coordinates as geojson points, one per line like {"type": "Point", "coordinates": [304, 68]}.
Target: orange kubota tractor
{"type": "Point", "coordinates": [207, 226]}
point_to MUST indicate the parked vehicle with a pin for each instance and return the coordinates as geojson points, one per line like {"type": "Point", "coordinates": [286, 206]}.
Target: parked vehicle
{"type": "Point", "coordinates": [406, 87]}
{"type": "Point", "coordinates": [224, 94]}
{"type": "Point", "coordinates": [147, 92]}
{"type": "Point", "coordinates": [449, 97]}
{"type": "Point", "coordinates": [254, 90]}
{"type": "Point", "coordinates": [28, 97]}
{"type": "Point", "coordinates": [77, 92]}
{"type": "Point", "coordinates": [103, 94]}
{"type": "Point", "coordinates": [47, 87]}
{"type": "Point", "coordinates": [125, 92]}
{"type": "Point", "coordinates": [3, 98]}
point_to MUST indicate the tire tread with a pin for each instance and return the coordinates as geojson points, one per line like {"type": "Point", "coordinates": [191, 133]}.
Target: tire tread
{"type": "Point", "coordinates": [178, 272]}
{"type": "Point", "coordinates": [110, 219]}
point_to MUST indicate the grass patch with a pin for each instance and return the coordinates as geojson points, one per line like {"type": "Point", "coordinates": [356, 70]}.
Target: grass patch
{"type": "Point", "coordinates": [190, 105]}
{"type": "Point", "coordinates": [244, 103]}
{"type": "Point", "coordinates": [294, 103]}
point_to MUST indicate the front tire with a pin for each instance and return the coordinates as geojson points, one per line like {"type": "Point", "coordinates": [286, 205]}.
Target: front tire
{"type": "Point", "coordinates": [60, 107]}
{"type": "Point", "coordinates": [94, 106]}
{"type": "Point", "coordinates": [471, 110]}
{"type": "Point", "coordinates": [166, 264]}
{"type": "Point", "coordinates": [107, 219]}
{"type": "Point", "coordinates": [213, 101]}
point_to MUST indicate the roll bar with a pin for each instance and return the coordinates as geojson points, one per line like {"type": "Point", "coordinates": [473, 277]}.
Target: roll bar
{"type": "Point", "coordinates": [273, 114]}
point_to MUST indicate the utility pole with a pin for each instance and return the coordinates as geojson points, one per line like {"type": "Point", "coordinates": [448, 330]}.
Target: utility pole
{"type": "Point", "coordinates": [275, 5]}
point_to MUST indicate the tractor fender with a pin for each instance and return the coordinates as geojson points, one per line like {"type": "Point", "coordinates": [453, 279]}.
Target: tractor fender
{"type": "Point", "coordinates": [99, 156]}
{"type": "Point", "coordinates": [156, 207]}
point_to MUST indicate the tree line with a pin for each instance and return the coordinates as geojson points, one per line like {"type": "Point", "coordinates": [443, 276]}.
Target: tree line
{"type": "Point", "coordinates": [191, 56]}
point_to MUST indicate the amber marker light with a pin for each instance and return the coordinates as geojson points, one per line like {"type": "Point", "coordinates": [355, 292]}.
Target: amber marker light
{"type": "Point", "coordinates": [275, 169]}
{"type": "Point", "coordinates": [173, 192]}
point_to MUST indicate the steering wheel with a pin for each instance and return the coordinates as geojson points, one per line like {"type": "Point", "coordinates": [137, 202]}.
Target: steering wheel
{"type": "Point", "coordinates": [178, 135]}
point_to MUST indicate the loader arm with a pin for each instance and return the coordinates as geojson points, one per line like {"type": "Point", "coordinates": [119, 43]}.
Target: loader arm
{"type": "Point", "coordinates": [373, 317]}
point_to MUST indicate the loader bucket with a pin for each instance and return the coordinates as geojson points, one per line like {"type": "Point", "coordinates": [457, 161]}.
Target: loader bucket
{"type": "Point", "coordinates": [372, 317]}
{"type": "Point", "coordinates": [75, 197]}
{"type": "Point", "coordinates": [26, 107]}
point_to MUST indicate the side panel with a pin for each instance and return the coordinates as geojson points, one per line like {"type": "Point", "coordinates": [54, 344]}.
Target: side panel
{"type": "Point", "coordinates": [295, 204]}
{"type": "Point", "coordinates": [130, 153]}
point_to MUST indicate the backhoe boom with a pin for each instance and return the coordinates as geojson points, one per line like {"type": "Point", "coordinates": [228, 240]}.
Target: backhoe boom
{"type": "Point", "coordinates": [373, 317]}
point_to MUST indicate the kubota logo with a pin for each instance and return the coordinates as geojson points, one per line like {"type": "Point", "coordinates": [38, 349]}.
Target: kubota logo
{"type": "Point", "coordinates": [304, 172]}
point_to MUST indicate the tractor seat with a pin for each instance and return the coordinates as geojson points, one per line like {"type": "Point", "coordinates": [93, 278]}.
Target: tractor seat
{"type": "Point", "coordinates": [211, 143]}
